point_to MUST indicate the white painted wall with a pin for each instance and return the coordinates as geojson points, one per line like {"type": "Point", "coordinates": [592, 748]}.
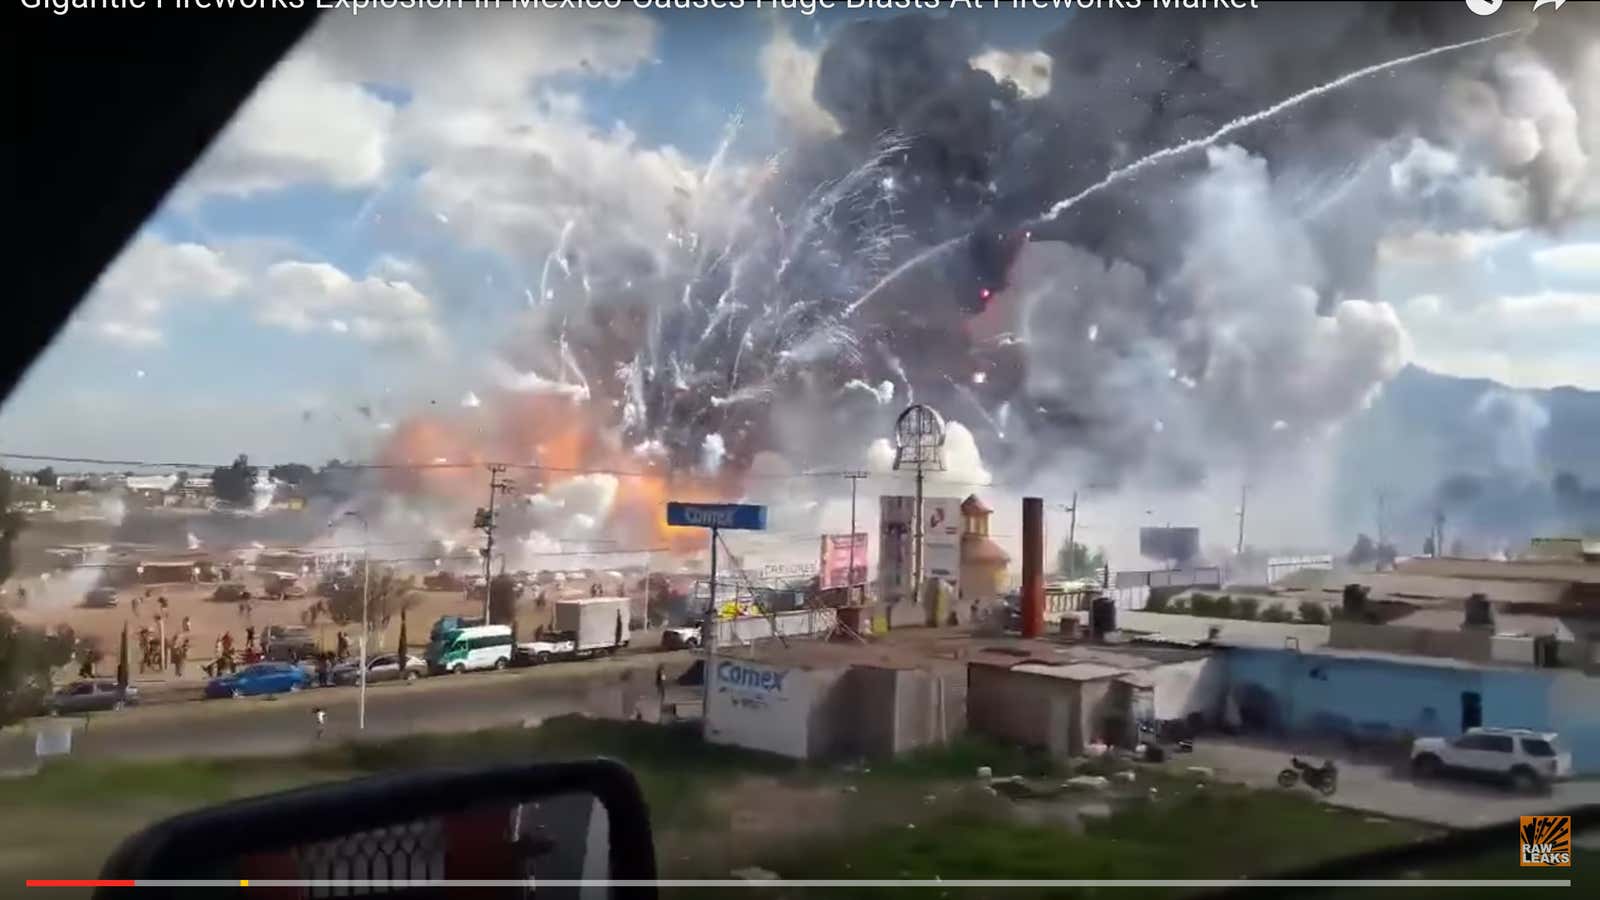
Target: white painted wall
{"type": "Point", "coordinates": [799, 623]}
{"type": "Point", "coordinates": [758, 706]}
{"type": "Point", "coordinates": [1193, 686]}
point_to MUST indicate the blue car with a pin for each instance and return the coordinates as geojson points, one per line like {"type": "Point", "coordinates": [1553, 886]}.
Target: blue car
{"type": "Point", "coordinates": [261, 678]}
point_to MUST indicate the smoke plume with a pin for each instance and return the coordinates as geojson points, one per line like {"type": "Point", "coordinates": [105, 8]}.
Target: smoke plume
{"type": "Point", "coordinates": [1217, 309]}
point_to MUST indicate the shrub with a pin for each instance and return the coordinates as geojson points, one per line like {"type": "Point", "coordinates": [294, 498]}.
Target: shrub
{"type": "Point", "coordinates": [1223, 608]}
{"type": "Point", "coordinates": [1246, 607]}
{"type": "Point", "coordinates": [1157, 602]}
{"type": "Point", "coordinates": [1276, 613]}
{"type": "Point", "coordinates": [1202, 604]}
{"type": "Point", "coordinates": [1313, 613]}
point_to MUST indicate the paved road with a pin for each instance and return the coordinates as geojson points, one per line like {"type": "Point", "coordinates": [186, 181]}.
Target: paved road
{"type": "Point", "coordinates": [285, 723]}
{"type": "Point", "coordinates": [1381, 789]}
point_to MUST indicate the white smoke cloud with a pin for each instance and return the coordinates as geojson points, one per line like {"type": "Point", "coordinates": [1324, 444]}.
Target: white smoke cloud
{"type": "Point", "coordinates": [1580, 261]}
{"type": "Point", "coordinates": [712, 452]}
{"type": "Point", "coordinates": [1514, 423]}
{"type": "Point", "coordinates": [789, 70]}
{"type": "Point", "coordinates": [1028, 70]}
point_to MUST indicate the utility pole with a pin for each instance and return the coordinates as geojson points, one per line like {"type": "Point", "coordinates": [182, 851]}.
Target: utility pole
{"type": "Point", "coordinates": [1072, 536]}
{"type": "Point", "coordinates": [1244, 492]}
{"type": "Point", "coordinates": [850, 576]}
{"type": "Point", "coordinates": [484, 521]}
{"type": "Point", "coordinates": [1383, 530]}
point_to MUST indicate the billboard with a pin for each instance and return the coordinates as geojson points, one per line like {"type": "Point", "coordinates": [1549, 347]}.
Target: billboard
{"type": "Point", "coordinates": [1177, 545]}
{"type": "Point", "coordinates": [838, 551]}
{"type": "Point", "coordinates": [941, 542]}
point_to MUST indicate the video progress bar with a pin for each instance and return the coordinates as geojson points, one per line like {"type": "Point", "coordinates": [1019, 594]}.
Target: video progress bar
{"type": "Point", "coordinates": [818, 883]}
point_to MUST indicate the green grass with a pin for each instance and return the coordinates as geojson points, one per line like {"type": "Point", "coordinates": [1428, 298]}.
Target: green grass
{"type": "Point", "coordinates": [1212, 832]}
{"type": "Point", "coordinates": [920, 816]}
{"type": "Point", "coordinates": [962, 757]}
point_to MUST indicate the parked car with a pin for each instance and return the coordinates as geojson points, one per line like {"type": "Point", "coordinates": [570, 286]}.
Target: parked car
{"type": "Point", "coordinates": [91, 696]}
{"type": "Point", "coordinates": [288, 643]}
{"type": "Point", "coordinates": [380, 668]}
{"type": "Point", "coordinates": [681, 636]}
{"type": "Point", "coordinates": [1524, 759]}
{"type": "Point", "coordinates": [261, 678]}
{"type": "Point", "coordinates": [230, 592]}
{"type": "Point", "coordinates": [283, 586]}
{"type": "Point", "coordinates": [100, 598]}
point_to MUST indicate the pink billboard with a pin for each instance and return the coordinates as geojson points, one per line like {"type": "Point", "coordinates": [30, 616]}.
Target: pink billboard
{"type": "Point", "coordinates": [837, 557]}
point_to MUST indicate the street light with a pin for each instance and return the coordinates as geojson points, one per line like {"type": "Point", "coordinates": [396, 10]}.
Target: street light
{"type": "Point", "coordinates": [366, 585]}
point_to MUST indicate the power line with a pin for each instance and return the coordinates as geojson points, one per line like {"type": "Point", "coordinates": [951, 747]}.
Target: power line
{"type": "Point", "coordinates": [128, 563]}
{"type": "Point", "coordinates": [683, 476]}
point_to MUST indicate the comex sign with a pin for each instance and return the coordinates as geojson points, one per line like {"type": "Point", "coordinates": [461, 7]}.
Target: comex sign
{"type": "Point", "coordinates": [734, 516]}
{"type": "Point", "coordinates": [735, 674]}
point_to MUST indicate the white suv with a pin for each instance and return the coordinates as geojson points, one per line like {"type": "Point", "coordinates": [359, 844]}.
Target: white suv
{"type": "Point", "coordinates": [1526, 759]}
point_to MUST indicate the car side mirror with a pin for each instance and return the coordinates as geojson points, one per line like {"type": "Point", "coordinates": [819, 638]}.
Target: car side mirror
{"type": "Point", "coordinates": [507, 829]}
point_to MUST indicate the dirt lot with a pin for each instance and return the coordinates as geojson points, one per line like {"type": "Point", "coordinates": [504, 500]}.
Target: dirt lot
{"type": "Point", "coordinates": [55, 605]}
{"type": "Point", "coordinates": [1385, 788]}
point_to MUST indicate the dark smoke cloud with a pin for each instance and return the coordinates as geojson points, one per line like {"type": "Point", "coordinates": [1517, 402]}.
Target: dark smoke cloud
{"type": "Point", "coordinates": [1212, 310]}
{"type": "Point", "coordinates": [1203, 303]}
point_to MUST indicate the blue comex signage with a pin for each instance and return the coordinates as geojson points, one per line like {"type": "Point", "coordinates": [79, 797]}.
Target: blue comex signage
{"type": "Point", "coordinates": [737, 516]}
{"type": "Point", "coordinates": [751, 678]}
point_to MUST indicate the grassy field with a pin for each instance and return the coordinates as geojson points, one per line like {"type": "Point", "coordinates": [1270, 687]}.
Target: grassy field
{"type": "Point", "coordinates": [715, 809]}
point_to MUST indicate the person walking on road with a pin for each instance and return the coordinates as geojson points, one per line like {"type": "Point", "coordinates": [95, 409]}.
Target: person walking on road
{"type": "Point", "coordinates": [661, 692]}
{"type": "Point", "coordinates": [322, 720]}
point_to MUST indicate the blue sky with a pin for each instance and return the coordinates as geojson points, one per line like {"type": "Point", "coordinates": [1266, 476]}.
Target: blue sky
{"type": "Point", "coordinates": [348, 243]}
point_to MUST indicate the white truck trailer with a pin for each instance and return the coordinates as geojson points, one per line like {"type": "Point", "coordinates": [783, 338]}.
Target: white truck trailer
{"type": "Point", "coordinates": [583, 627]}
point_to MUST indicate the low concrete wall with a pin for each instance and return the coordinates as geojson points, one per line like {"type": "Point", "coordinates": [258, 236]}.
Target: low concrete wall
{"type": "Point", "coordinates": [1186, 688]}
{"type": "Point", "coordinates": [876, 712]}
{"type": "Point", "coordinates": [1468, 644]}
{"type": "Point", "coordinates": [799, 623]}
{"type": "Point", "coordinates": [1023, 708]}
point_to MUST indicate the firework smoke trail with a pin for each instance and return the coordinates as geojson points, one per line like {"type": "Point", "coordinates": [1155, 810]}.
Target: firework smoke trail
{"type": "Point", "coordinates": [558, 256]}
{"type": "Point", "coordinates": [972, 398]}
{"type": "Point", "coordinates": [1243, 122]}
{"type": "Point", "coordinates": [1134, 168]}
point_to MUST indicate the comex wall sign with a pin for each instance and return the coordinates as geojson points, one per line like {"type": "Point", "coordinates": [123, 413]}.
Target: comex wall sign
{"type": "Point", "coordinates": [748, 677]}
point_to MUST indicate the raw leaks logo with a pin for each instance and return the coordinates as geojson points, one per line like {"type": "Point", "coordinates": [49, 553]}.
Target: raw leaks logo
{"type": "Point", "coordinates": [1546, 840]}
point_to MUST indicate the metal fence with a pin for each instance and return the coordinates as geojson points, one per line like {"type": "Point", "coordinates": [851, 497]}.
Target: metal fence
{"type": "Point", "coordinates": [1281, 567]}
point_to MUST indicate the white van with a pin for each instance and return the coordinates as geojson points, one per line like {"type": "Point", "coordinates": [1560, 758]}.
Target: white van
{"type": "Point", "coordinates": [467, 649]}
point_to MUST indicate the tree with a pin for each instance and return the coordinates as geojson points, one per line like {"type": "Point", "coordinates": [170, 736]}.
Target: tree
{"type": "Point", "coordinates": [1313, 613]}
{"type": "Point", "coordinates": [1364, 552]}
{"type": "Point", "coordinates": [661, 600]}
{"type": "Point", "coordinates": [1079, 561]}
{"type": "Point", "coordinates": [46, 477]}
{"type": "Point", "coordinates": [10, 525]}
{"type": "Point", "coordinates": [292, 473]}
{"type": "Point", "coordinates": [503, 593]}
{"type": "Point", "coordinates": [27, 655]}
{"type": "Point", "coordinates": [387, 594]}
{"type": "Point", "coordinates": [235, 483]}
{"type": "Point", "coordinates": [402, 642]}
{"type": "Point", "coordinates": [122, 659]}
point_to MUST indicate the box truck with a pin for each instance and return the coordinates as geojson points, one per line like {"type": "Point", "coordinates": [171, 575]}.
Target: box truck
{"type": "Point", "coordinates": [583, 627]}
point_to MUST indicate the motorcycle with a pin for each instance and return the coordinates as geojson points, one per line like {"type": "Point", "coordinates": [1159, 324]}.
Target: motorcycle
{"type": "Point", "coordinates": [1323, 778]}
{"type": "Point", "coordinates": [1157, 744]}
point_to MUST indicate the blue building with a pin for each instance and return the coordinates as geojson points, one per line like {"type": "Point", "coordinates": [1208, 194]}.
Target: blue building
{"type": "Point", "coordinates": [1384, 695]}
